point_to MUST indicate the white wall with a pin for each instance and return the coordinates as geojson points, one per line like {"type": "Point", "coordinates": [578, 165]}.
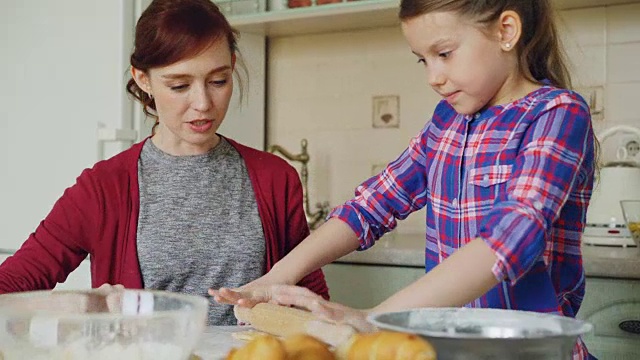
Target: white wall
{"type": "Point", "coordinates": [62, 70]}
{"type": "Point", "coordinates": [64, 67]}
{"type": "Point", "coordinates": [604, 46]}
{"type": "Point", "coordinates": [321, 87]}
{"type": "Point", "coordinates": [245, 118]}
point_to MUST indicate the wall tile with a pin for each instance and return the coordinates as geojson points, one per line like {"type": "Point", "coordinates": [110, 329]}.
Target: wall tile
{"type": "Point", "coordinates": [623, 23]}
{"type": "Point", "coordinates": [582, 27]}
{"type": "Point", "coordinates": [623, 63]}
{"type": "Point", "coordinates": [621, 102]}
{"type": "Point", "coordinates": [587, 65]}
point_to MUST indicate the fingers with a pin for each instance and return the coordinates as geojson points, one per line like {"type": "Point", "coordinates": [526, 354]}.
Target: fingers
{"type": "Point", "coordinates": [232, 297]}
{"type": "Point", "coordinates": [302, 298]}
{"type": "Point", "coordinates": [107, 298]}
{"type": "Point", "coordinates": [224, 296]}
{"type": "Point", "coordinates": [106, 288]}
{"type": "Point", "coordinates": [114, 300]}
{"type": "Point", "coordinates": [325, 310]}
{"type": "Point", "coordinates": [245, 296]}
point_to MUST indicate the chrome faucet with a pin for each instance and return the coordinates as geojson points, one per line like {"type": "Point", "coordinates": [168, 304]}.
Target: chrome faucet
{"type": "Point", "coordinates": [314, 219]}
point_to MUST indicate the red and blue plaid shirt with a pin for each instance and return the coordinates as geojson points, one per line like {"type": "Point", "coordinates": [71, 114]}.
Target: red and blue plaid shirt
{"type": "Point", "coordinates": [519, 176]}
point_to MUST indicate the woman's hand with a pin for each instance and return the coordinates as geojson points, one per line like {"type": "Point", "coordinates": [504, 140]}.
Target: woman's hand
{"type": "Point", "coordinates": [111, 301]}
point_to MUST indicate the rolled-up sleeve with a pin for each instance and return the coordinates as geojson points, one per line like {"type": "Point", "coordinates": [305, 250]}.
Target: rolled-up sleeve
{"type": "Point", "coordinates": [549, 164]}
{"type": "Point", "coordinates": [392, 195]}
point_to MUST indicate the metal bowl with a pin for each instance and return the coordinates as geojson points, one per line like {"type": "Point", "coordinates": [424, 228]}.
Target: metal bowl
{"type": "Point", "coordinates": [94, 324]}
{"type": "Point", "coordinates": [483, 334]}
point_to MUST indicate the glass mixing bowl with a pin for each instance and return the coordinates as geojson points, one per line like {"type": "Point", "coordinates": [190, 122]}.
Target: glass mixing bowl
{"type": "Point", "coordinates": [631, 213]}
{"type": "Point", "coordinates": [98, 324]}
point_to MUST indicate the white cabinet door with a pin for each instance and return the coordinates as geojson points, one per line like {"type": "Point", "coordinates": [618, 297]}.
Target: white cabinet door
{"type": "Point", "coordinates": [613, 307]}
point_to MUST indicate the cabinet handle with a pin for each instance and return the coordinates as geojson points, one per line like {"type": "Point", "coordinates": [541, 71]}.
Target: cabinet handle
{"type": "Point", "coordinates": [630, 326]}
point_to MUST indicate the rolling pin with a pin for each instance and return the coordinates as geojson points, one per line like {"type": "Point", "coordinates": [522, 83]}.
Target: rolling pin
{"type": "Point", "coordinates": [285, 321]}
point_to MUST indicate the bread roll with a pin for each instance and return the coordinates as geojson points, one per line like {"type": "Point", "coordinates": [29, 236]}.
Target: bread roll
{"type": "Point", "coordinates": [305, 347]}
{"type": "Point", "coordinates": [386, 345]}
{"type": "Point", "coordinates": [383, 345]}
{"type": "Point", "coordinates": [262, 347]}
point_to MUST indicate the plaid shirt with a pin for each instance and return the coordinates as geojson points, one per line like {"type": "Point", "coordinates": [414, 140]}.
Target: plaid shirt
{"type": "Point", "coordinates": [519, 176]}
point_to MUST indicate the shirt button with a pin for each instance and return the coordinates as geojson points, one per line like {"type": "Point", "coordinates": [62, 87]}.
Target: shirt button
{"type": "Point", "coordinates": [454, 203]}
{"type": "Point", "coordinates": [537, 205]}
{"type": "Point", "coordinates": [477, 115]}
{"type": "Point", "coordinates": [485, 178]}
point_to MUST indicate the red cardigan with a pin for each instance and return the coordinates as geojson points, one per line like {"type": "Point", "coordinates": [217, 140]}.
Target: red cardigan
{"type": "Point", "coordinates": [99, 216]}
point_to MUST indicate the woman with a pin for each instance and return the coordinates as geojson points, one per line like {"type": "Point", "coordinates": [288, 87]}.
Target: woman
{"type": "Point", "coordinates": [186, 209]}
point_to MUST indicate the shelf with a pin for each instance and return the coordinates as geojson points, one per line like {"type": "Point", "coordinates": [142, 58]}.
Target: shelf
{"type": "Point", "coordinates": [337, 17]}
{"type": "Point", "coordinates": [578, 4]}
{"type": "Point", "coordinates": [352, 15]}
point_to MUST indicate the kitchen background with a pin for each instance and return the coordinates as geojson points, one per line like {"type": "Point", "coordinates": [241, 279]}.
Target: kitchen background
{"type": "Point", "coordinates": [357, 96]}
{"type": "Point", "coordinates": [321, 88]}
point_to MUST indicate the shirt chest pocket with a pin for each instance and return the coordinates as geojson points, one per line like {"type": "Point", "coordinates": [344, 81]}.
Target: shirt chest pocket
{"type": "Point", "coordinates": [488, 176]}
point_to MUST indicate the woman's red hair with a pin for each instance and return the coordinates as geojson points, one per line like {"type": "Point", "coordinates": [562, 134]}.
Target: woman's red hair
{"type": "Point", "coordinates": [172, 30]}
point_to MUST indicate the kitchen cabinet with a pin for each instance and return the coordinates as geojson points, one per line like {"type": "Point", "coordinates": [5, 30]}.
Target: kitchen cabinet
{"type": "Point", "coordinates": [612, 305]}
{"type": "Point", "coordinates": [350, 15]}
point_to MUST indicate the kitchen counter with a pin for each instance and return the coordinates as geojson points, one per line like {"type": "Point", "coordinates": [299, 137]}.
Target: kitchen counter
{"type": "Point", "coordinates": [408, 250]}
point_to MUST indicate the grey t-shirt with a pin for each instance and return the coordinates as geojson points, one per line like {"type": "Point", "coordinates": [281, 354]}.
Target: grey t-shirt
{"type": "Point", "coordinates": [198, 226]}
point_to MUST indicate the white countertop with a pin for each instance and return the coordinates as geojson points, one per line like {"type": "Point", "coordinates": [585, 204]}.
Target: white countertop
{"type": "Point", "coordinates": [408, 250]}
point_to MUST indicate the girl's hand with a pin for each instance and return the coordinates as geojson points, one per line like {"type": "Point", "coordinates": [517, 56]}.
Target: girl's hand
{"type": "Point", "coordinates": [326, 310]}
{"type": "Point", "coordinates": [248, 295]}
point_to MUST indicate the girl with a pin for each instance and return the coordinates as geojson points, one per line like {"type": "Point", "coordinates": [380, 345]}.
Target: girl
{"type": "Point", "coordinates": [186, 208]}
{"type": "Point", "coordinates": [505, 168]}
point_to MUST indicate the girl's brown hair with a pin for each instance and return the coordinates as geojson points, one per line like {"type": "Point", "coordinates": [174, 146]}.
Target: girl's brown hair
{"type": "Point", "coordinates": [172, 30]}
{"type": "Point", "coordinates": [540, 53]}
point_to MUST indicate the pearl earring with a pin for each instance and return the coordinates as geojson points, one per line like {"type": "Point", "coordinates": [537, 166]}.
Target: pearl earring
{"type": "Point", "coordinates": [507, 45]}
